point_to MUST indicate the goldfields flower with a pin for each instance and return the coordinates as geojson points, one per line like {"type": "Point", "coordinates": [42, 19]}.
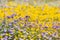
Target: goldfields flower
{"type": "Point", "coordinates": [1, 14]}
{"type": "Point", "coordinates": [0, 37]}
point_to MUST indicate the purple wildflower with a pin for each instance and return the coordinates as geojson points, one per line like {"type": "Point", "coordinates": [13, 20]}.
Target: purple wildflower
{"type": "Point", "coordinates": [43, 34]}
{"type": "Point", "coordinates": [56, 27]}
{"type": "Point", "coordinates": [10, 24]}
{"type": "Point", "coordinates": [10, 31]}
{"type": "Point", "coordinates": [5, 30]}
{"type": "Point", "coordinates": [8, 17]}
{"type": "Point", "coordinates": [6, 38]}
{"type": "Point", "coordinates": [21, 18]}
{"type": "Point", "coordinates": [40, 25]}
{"type": "Point", "coordinates": [55, 34]}
{"type": "Point", "coordinates": [15, 21]}
{"type": "Point", "coordinates": [46, 27]}
{"type": "Point", "coordinates": [13, 15]}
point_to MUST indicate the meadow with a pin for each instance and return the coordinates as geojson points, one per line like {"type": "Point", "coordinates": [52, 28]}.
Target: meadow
{"type": "Point", "coordinates": [29, 22]}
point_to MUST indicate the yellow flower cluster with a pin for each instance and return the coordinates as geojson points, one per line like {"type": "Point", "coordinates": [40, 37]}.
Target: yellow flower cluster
{"type": "Point", "coordinates": [44, 12]}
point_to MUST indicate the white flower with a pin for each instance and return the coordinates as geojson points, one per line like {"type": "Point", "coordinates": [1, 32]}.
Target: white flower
{"type": "Point", "coordinates": [20, 39]}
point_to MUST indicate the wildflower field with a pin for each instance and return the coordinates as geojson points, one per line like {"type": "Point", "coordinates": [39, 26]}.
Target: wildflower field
{"type": "Point", "coordinates": [29, 21]}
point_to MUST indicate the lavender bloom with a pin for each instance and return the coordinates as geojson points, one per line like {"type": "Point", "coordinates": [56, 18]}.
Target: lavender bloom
{"type": "Point", "coordinates": [56, 27]}
{"type": "Point", "coordinates": [5, 38]}
{"type": "Point", "coordinates": [46, 27]}
{"type": "Point", "coordinates": [8, 17]}
{"type": "Point", "coordinates": [25, 25]}
{"type": "Point", "coordinates": [55, 34]}
{"type": "Point", "coordinates": [5, 30]}
{"type": "Point", "coordinates": [21, 18]}
{"type": "Point", "coordinates": [15, 21]}
{"type": "Point", "coordinates": [10, 31]}
{"type": "Point", "coordinates": [11, 24]}
{"type": "Point", "coordinates": [40, 25]}
{"type": "Point", "coordinates": [13, 15]}
{"type": "Point", "coordinates": [43, 34]}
